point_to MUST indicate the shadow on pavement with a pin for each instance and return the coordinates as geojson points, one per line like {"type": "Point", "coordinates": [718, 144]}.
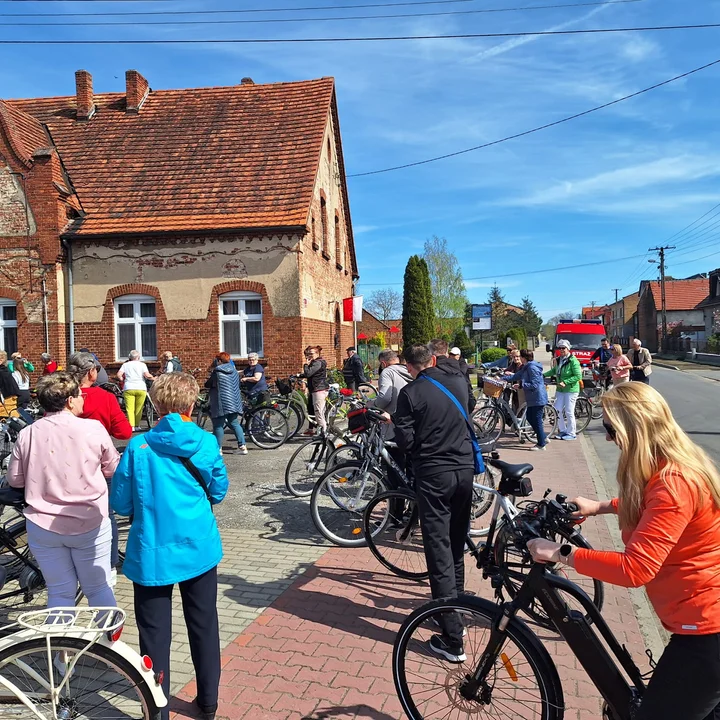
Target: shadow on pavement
{"type": "Point", "coordinates": [354, 711]}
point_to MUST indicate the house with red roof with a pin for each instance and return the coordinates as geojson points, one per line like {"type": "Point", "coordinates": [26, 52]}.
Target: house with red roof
{"type": "Point", "coordinates": [683, 307]}
{"type": "Point", "coordinates": [193, 220]}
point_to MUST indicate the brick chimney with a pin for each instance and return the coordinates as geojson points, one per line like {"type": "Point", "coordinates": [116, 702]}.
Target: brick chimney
{"type": "Point", "coordinates": [84, 100]}
{"type": "Point", "coordinates": [247, 81]}
{"type": "Point", "coordinates": [136, 91]}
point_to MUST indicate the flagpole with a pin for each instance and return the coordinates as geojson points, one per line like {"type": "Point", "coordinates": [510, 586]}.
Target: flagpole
{"type": "Point", "coordinates": [354, 321]}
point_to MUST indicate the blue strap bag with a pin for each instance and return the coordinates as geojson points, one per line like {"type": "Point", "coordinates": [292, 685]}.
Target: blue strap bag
{"type": "Point", "coordinates": [479, 464]}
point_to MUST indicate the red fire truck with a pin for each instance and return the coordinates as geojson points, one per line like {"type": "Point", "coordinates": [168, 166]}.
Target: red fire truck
{"type": "Point", "coordinates": [583, 335]}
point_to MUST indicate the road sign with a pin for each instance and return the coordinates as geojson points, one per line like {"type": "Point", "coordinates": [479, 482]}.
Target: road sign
{"type": "Point", "coordinates": [481, 317]}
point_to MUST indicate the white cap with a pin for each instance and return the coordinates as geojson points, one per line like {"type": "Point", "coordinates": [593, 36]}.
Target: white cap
{"type": "Point", "coordinates": [563, 344]}
{"type": "Point", "coordinates": [455, 351]}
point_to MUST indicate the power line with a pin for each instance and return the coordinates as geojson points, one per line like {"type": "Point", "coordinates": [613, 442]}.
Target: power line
{"type": "Point", "coordinates": [687, 262]}
{"type": "Point", "coordinates": [527, 272]}
{"type": "Point", "coordinates": [384, 38]}
{"type": "Point", "coordinates": [536, 129]}
{"type": "Point", "coordinates": [164, 23]}
{"type": "Point", "coordinates": [246, 10]}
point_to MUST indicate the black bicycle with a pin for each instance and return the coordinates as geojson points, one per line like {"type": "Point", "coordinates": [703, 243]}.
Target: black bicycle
{"type": "Point", "coordinates": [503, 669]}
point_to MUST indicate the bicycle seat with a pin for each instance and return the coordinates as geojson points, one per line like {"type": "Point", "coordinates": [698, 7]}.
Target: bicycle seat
{"type": "Point", "coordinates": [511, 471]}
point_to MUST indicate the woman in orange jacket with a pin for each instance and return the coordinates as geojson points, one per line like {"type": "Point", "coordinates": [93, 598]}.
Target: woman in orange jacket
{"type": "Point", "coordinates": [668, 508]}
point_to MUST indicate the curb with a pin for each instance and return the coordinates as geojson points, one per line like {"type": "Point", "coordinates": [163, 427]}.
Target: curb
{"type": "Point", "coordinates": [662, 364]}
{"type": "Point", "coordinates": [654, 634]}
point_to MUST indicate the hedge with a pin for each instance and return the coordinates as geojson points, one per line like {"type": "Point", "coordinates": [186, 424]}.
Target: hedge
{"type": "Point", "coordinates": [492, 354]}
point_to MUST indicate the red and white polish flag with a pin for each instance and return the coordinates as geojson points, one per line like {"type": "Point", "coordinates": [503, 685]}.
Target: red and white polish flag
{"type": "Point", "coordinates": [352, 309]}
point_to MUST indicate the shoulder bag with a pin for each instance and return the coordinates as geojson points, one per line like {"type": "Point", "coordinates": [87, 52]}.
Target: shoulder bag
{"type": "Point", "coordinates": [477, 453]}
{"type": "Point", "coordinates": [199, 479]}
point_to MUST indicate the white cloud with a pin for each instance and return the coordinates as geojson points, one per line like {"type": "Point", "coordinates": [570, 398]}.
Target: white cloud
{"type": "Point", "coordinates": [475, 284]}
{"type": "Point", "coordinates": [360, 229]}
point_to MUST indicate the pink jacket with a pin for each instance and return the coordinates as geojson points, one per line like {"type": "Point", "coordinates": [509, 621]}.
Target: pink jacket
{"type": "Point", "coordinates": [619, 366]}
{"type": "Point", "coordinates": [63, 463]}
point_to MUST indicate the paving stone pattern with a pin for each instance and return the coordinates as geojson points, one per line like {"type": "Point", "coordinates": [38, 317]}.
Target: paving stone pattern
{"type": "Point", "coordinates": [322, 649]}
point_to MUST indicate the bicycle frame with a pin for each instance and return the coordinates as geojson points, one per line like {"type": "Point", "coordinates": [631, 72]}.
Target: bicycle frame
{"type": "Point", "coordinates": [605, 669]}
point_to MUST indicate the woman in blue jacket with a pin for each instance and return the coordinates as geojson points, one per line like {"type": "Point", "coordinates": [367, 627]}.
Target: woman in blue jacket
{"type": "Point", "coordinates": [530, 377]}
{"type": "Point", "coordinates": [167, 481]}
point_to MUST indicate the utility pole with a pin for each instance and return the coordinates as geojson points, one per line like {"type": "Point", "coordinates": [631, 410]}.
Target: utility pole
{"type": "Point", "coordinates": [661, 252]}
{"type": "Point", "coordinates": [616, 291]}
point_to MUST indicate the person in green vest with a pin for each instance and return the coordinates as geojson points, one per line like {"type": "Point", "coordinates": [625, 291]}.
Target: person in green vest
{"type": "Point", "coordinates": [568, 374]}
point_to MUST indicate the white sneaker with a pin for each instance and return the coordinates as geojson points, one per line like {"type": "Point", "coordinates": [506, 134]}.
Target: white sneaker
{"type": "Point", "coordinates": [536, 448]}
{"type": "Point", "coordinates": [113, 577]}
{"type": "Point", "coordinates": [242, 450]}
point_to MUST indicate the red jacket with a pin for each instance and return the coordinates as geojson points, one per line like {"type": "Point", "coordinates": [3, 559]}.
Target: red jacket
{"type": "Point", "coordinates": [674, 551]}
{"type": "Point", "coordinates": [103, 406]}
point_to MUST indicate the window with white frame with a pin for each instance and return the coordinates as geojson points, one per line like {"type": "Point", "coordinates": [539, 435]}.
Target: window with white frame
{"type": "Point", "coordinates": [241, 327]}
{"type": "Point", "coordinates": [135, 326]}
{"type": "Point", "coordinates": [8, 326]}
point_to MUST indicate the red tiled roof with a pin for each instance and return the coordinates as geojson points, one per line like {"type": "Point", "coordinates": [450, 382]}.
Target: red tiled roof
{"type": "Point", "coordinates": [680, 294]}
{"type": "Point", "coordinates": [24, 133]}
{"type": "Point", "coordinates": [202, 159]}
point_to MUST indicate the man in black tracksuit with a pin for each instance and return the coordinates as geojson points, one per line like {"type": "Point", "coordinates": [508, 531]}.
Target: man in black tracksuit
{"type": "Point", "coordinates": [431, 430]}
{"type": "Point", "coordinates": [439, 348]}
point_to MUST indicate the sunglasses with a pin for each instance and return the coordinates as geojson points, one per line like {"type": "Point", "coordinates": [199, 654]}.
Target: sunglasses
{"type": "Point", "coordinates": [610, 430]}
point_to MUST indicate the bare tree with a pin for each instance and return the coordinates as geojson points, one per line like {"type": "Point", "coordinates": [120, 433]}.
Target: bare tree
{"type": "Point", "coordinates": [385, 304]}
{"type": "Point", "coordinates": [448, 289]}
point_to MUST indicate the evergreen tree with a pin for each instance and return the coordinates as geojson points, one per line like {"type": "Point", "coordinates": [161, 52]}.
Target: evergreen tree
{"type": "Point", "coordinates": [531, 321]}
{"type": "Point", "coordinates": [500, 322]}
{"type": "Point", "coordinates": [462, 341]}
{"type": "Point", "coordinates": [414, 304]}
{"type": "Point", "coordinates": [429, 312]}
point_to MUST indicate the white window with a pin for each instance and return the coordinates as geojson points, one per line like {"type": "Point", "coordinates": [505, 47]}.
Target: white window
{"type": "Point", "coordinates": [135, 326]}
{"type": "Point", "coordinates": [241, 329]}
{"type": "Point", "coordinates": [8, 326]}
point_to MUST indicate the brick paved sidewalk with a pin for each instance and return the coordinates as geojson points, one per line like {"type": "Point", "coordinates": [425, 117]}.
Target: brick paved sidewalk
{"type": "Point", "coordinates": [322, 650]}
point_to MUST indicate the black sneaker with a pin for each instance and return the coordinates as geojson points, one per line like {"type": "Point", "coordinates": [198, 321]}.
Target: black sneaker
{"type": "Point", "coordinates": [452, 653]}
{"type": "Point", "coordinates": [206, 713]}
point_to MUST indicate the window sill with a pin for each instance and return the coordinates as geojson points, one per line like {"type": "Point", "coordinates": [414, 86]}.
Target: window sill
{"type": "Point", "coordinates": [338, 266]}
{"type": "Point", "coordinates": [326, 256]}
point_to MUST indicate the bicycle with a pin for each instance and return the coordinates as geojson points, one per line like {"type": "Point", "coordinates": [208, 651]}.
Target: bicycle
{"type": "Point", "coordinates": [265, 425]}
{"type": "Point", "coordinates": [70, 664]}
{"type": "Point", "coordinates": [392, 530]}
{"type": "Point", "coordinates": [595, 388]}
{"type": "Point", "coordinates": [292, 403]}
{"type": "Point", "coordinates": [492, 419]}
{"type": "Point", "coordinates": [149, 411]}
{"type": "Point", "coordinates": [504, 670]}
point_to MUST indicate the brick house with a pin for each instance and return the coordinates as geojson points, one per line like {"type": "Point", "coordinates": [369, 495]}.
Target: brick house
{"type": "Point", "coordinates": [711, 304]}
{"type": "Point", "coordinates": [188, 220]}
{"type": "Point", "coordinates": [683, 308]}
{"type": "Point", "coordinates": [623, 319]}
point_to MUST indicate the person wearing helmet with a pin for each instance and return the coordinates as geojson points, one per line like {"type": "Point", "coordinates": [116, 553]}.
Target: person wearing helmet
{"type": "Point", "coordinates": [568, 374]}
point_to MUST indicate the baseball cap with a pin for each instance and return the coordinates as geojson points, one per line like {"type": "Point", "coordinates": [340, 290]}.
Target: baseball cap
{"type": "Point", "coordinates": [455, 351]}
{"type": "Point", "coordinates": [563, 344]}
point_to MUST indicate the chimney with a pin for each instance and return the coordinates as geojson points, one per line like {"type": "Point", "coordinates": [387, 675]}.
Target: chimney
{"type": "Point", "coordinates": [136, 91]}
{"type": "Point", "coordinates": [84, 100]}
{"type": "Point", "coordinates": [247, 81]}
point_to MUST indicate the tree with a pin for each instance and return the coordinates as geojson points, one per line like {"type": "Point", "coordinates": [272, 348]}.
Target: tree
{"type": "Point", "coordinates": [385, 304]}
{"type": "Point", "coordinates": [462, 341]}
{"type": "Point", "coordinates": [429, 314]}
{"type": "Point", "coordinates": [518, 336]}
{"type": "Point", "coordinates": [531, 321]}
{"type": "Point", "coordinates": [449, 297]}
{"type": "Point", "coordinates": [417, 321]}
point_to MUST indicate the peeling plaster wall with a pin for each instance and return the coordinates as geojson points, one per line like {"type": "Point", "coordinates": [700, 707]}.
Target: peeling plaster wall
{"type": "Point", "coordinates": [12, 205]}
{"type": "Point", "coordinates": [186, 271]}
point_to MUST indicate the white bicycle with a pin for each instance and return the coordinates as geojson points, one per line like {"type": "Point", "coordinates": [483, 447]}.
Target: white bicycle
{"type": "Point", "coordinates": [70, 664]}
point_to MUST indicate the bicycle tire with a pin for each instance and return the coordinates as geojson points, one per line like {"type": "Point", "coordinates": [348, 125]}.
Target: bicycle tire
{"type": "Point", "coordinates": [344, 514]}
{"type": "Point", "coordinates": [504, 548]}
{"type": "Point", "coordinates": [482, 502]}
{"type": "Point", "coordinates": [149, 413]}
{"type": "Point", "coordinates": [489, 424]}
{"type": "Point", "coordinates": [97, 666]}
{"type": "Point", "coordinates": [583, 414]}
{"type": "Point", "coordinates": [367, 390]}
{"type": "Point", "coordinates": [291, 414]}
{"type": "Point", "coordinates": [201, 417]}
{"type": "Point", "coordinates": [302, 472]}
{"type": "Point", "coordinates": [527, 656]}
{"type": "Point", "coordinates": [391, 529]}
{"type": "Point", "coordinates": [348, 453]}
{"type": "Point", "coordinates": [266, 427]}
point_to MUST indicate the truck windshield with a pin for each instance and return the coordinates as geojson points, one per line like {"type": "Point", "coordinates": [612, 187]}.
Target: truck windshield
{"type": "Point", "coordinates": [580, 341]}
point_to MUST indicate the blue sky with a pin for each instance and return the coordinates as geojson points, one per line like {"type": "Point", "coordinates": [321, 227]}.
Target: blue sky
{"type": "Point", "coordinates": [606, 186]}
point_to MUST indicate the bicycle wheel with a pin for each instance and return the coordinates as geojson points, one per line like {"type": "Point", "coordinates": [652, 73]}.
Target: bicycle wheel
{"type": "Point", "coordinates": [523, 683]}
{"type": "Point", "coordinates": [149, 413]}
{"type": "Point", "coordinates": [549, 421]}
{"type": "Point", "coordinates": [482, 502]}
{"type": "Point", "coordinates": [392, 531]}
{"type": "Point", "coordinates": [367, 391]}
{"type": "Point", "coordinates": [489, 424]}
{"type": "Point", "coordinates": [306, 465]}
{"type": "Point", "coordinates": [99, 683]}
{"type": "Point", "coordinates": [596, 402]}
{"type": "Point", "coordinates": [583, 414]}
{"type": "Point", "coordinates": [291, 415]}
{"type": "Point", "coordinates": [349, 453]}
{"type": "Point", "coordinates": [201, 416]}
{"type": "Point", "coordinates": [339, 499]}
{"type": "Point", "coordinates": [267, 428]}
{"type": "Point", "coordinates": [507, 556]}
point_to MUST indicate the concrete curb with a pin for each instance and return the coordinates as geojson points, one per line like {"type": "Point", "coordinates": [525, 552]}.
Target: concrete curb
{"type": "Point", "coordinates": [654, 634]}
{"type": "Point", "coordinates": [662, 364]}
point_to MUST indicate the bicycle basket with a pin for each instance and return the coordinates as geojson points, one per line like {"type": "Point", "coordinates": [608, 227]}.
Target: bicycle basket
{"type": "Point", "coordinates": [358, 420]}
{"type": "Point", "coordinates": [493, 388]}
{"type": "Point", "coordinates": [283, 386]}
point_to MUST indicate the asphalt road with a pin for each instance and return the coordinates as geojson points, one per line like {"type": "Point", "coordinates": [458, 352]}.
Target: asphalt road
{"type": "Point", "coordinates": [694, 401]}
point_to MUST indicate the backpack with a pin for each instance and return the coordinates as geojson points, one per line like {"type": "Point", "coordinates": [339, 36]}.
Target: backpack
{"type": "Point", "coordinates": [177, 365]}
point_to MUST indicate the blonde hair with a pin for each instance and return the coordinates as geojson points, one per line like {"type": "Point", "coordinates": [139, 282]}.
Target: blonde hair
{"type": "Point", "coordinates": [3, 357]}
{"type": "Point", "coordinates": [618, 349]}
{"type": "Point", "coordinates": [651, 442]}
{"type": "Point", "coordinates": [174, 392]}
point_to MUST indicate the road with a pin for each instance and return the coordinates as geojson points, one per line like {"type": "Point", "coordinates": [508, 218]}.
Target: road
{"type": "Point", "coordinates": [694, 401]}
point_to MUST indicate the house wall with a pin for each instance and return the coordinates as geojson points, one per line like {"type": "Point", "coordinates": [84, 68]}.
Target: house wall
{"type": "Point", "coordinates": [647, 321]}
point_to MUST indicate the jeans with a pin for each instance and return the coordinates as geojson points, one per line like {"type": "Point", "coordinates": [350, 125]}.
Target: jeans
{"type": "Point", "coordinates": [686, 681]}
{"type": "Point", "coordinates": [535, 419]}
{"type": "Point", "coordinates": [134, 402]}
{"type": "Point", "coordinates": [153, 612]}
{"type": "Point", "coordinates": [66, 560]}
{"type": "Point", "coordinates": [639, 376]}
{"type": "Point", "coordinates": [565, 403]}
{"type": "Point", "coordinates": [231, 420]}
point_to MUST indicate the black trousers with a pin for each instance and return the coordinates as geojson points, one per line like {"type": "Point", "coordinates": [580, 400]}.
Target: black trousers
{"type": "Point", "coordinates": [686, 681]}
{"type": "Point", "coordinates": [444, 502]}
{"type": "Point", "coordinates": [153, 613]}
{"type": "Point", "coordinates": [639, 376]}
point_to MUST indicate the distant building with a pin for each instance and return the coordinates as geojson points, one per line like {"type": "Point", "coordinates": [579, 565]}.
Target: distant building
{"type": "Point", "coordinates": [599, 312]}
{"type": "Point", "coordinates": [711, 305]}
{"type": "Point", "coordinates": [623, 320]}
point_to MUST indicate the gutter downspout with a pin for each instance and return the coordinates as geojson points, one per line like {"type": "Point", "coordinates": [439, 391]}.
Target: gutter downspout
{"type": "Point", "coordinates": [71, 304]}
{"type": "Point", "coordinates": [45, 314]}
